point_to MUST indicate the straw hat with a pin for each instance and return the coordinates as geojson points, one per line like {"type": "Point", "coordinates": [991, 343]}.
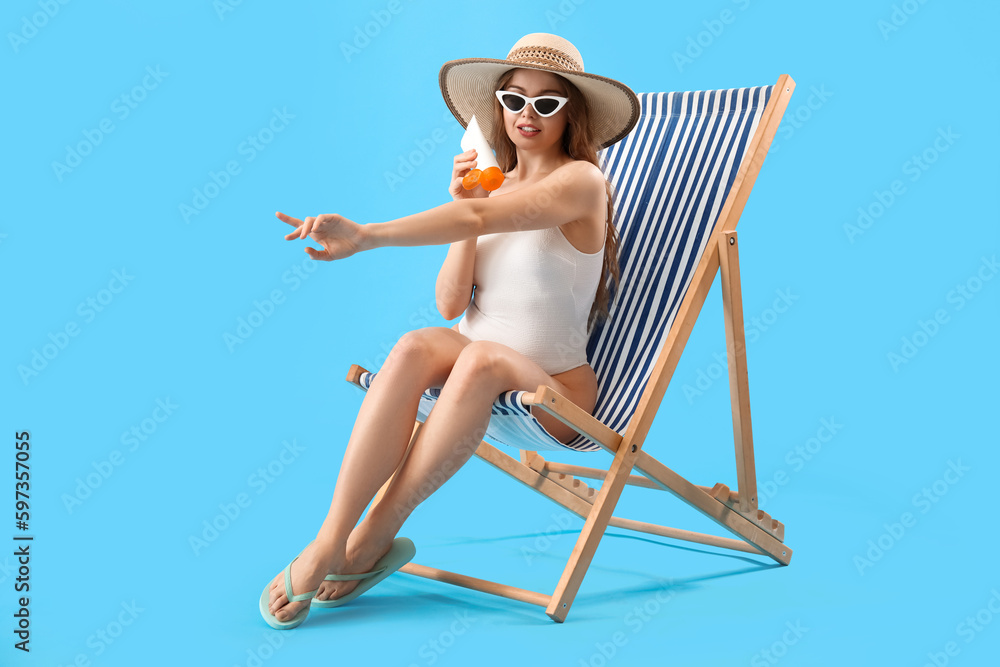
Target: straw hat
{"type": "Point", "coordinates": [468, 86]}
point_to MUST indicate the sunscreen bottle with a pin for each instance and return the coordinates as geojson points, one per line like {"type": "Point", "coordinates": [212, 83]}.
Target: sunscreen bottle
{"type": "Point", "coordinates": [490, 177]}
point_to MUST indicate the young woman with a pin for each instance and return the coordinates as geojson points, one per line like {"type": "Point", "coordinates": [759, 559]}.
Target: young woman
{"type": "Point", "coordinates": [540, 252]}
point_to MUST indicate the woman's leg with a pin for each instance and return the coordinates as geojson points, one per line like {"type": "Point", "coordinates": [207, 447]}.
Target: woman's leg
{"type": "Point", "coordinates": [421, 359]}
{"type": "Point", "coordinates": [449, 437]}
{"type": "Point", "coordinates": [480, 372]}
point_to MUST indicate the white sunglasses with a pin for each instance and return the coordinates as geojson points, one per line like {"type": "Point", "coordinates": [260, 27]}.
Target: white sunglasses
{"type": "Point", "coordinates": [544, 105]}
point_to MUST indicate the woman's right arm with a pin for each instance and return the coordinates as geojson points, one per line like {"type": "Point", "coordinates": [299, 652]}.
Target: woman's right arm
{"type": "Point", "coordinates": [453, 290]}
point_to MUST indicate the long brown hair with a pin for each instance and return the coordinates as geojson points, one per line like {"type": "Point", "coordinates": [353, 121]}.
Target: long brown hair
{"type": "Point", "coordinates": [577, 142]}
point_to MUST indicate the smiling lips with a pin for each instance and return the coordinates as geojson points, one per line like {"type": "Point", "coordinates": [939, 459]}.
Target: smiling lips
{"type": "Point", "coordinates": [528, 130]}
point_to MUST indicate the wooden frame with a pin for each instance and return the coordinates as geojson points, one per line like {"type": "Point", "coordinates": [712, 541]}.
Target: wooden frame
{"type": "Point", "coordinates": [736, 511]}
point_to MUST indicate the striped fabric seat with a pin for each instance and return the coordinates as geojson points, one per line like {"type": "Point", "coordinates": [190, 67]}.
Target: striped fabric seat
{"type": "Point", "coordinates": [671, 175]}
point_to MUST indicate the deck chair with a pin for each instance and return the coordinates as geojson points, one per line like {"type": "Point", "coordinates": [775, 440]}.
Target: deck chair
{"type": "Point", "coordinates": [682, 177]}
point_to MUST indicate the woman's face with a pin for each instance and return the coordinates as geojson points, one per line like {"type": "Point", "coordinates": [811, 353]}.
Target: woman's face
{"type": "Point", "coordinates": [526, 128]}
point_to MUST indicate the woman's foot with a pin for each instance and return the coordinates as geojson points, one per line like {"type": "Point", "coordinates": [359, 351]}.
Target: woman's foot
{"type": "Point", "coordinates": [360, 558]}
{"type": "Point", "coordinates": [307, 572]}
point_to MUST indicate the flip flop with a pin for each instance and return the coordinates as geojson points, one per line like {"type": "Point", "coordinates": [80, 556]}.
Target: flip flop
{"type": "Point", "coordinates": [399, 554]}
{"type": "Point", "coordinates": [265, 599]}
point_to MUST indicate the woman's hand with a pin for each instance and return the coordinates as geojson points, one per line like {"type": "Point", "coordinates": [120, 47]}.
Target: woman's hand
{"type": "Point", "coordinates": [464, 163]}
{"type": "Point", "coordinates": [339, 236]}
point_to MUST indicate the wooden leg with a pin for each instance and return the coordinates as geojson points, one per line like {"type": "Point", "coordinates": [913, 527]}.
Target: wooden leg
{"type": "Point", "coordinates": [739, 392]}
{"type": "Point", "coordinates": [593, 530]}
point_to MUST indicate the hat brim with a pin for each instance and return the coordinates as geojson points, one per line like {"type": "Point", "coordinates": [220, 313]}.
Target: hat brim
{"type": "Point", "coordinates": [467, 87]}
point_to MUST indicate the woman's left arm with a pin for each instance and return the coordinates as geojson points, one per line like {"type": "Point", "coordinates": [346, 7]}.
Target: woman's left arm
{"type": "Point", "coordinates": [568, 193]}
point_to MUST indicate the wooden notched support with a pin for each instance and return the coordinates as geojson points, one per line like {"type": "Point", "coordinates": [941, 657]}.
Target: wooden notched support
{"type": "Point", "coordinates": [767, 523]}
{"type": "Point", "coordinates": [561, 477]}
{"type": "Point", "coordinates": [574, 485]}
{"type": "Point", "coordinates": [722, 493]}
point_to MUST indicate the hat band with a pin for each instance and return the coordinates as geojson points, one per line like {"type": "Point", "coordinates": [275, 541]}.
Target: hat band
{"type": "Point", "coordinates": [546, 56]}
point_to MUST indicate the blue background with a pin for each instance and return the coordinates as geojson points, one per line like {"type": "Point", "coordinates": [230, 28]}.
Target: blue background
{"type": "Point", "coordinates": [868, 100]}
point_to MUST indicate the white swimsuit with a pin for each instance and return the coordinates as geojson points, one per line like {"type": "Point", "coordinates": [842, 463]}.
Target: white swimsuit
{"type": "Point", "coordinates": [534, 292]}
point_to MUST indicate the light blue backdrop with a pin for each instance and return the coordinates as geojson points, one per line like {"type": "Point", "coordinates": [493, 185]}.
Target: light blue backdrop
{"type": "Point", "coordinates": [146, 149]}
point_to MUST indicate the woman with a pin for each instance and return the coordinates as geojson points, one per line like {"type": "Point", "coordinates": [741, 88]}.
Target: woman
{"type": "Point", "coordinates": [540, 251]}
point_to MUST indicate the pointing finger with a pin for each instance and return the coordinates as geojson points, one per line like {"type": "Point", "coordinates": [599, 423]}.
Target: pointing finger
{"type": "Point", "coordinates": [287, 218]}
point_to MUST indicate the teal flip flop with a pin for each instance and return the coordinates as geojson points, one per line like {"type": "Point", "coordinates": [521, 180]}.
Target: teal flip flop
{"type": "Point", "coordinates": [265, 599]}
{"type": "Point", "coordinates": [401, 552]}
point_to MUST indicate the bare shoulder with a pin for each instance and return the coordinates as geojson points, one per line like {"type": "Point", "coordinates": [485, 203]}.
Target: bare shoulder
{"type": "Point", "coordinates": [586, 233]}
{"type": "Point", "coordinates": [587, 174]}
{"type": "Point", "coordinates": [583, 181]}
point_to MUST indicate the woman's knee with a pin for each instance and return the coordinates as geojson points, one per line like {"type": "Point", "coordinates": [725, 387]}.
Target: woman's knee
{"type": "Point", "coordinates": [414, 343]}
{"type": "Point", "coordinates": [480, 363]}
{"type": "Point", "coordinates": [427, 349]}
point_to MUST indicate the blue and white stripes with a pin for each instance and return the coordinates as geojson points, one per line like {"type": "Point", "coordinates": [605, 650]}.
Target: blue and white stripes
{"type": "Point", "coordinates": [671, 175]}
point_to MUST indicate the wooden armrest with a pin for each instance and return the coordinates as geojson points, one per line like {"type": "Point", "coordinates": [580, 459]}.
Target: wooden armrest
{"type": "Point", "coordinates": [572, 415]}
{"type": "Point", "coordinates": [354, 374]}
